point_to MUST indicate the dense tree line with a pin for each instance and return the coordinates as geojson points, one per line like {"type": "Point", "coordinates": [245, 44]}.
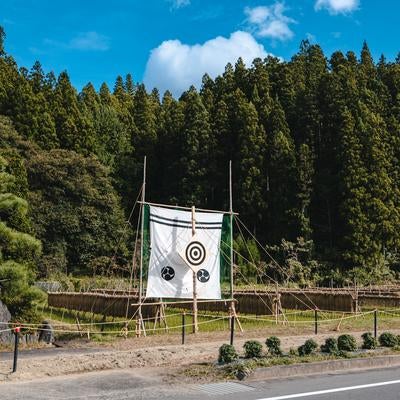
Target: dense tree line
{"type": "Point", "coordinates": [19, 250]}
{"type": "Point", "coordinates": [314, 144]}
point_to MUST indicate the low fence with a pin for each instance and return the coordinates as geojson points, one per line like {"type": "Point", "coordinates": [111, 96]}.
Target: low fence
{"type": "Point", "coordinates": [375, 301]}
{"type": "Point", "coordinates": [265, 303]}
{"type": "Point", "coordinates": [246, 303]}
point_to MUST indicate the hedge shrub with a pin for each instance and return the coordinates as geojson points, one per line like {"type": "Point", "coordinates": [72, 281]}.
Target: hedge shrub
{"type": "Point", "coordinates": [227, 354]}
{"type": "Point", "coordinates": [308, 347]}
{"type": "Point", "coordinates": [330, 346]}
{"type": "Point", "coordinates": [252, 349]}
{"type": "Point", "coordinates": [274, 346]}
{"type": "Point", "coordinates": [388, 339]}
{"type": "Point", "coordinates": [347, 343]}
{"type": "Point", "coordinates": [369, 342]}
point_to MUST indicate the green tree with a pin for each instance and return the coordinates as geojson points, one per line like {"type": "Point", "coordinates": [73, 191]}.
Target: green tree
{"type": "Point", "coordinates": [196, 147]}
{"type": "Point", "coordinates": [250, 144]}
{"type": "Point", "coordinates": [75, 211]}
{"type": "Point", "coordinates": [19, 251]}
{"type": "Point", "coordinates": [74, 128]}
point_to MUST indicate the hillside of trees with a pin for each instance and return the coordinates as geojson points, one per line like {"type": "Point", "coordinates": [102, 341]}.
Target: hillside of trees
{"type": "Point", "coordinates": [315, 145]}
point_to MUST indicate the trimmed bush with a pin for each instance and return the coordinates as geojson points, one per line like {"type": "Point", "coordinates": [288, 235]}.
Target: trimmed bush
{"type": "Point", "coordinates": [387, 339]}
{"type": "Point", "coordinates": [252, 349]}
{"type": "Point", "coordinates": [330, 346]}
{"type": "Point", "coordinates": [369, 342]}
{"type": "Point", "coordinates": [307, 348]}
{"type": "Point", "coordinates": [227, 354]}
{"type": "Point", "coordinates": [274, 346]}
{"type": "Point", "coordinates": [347, 343]}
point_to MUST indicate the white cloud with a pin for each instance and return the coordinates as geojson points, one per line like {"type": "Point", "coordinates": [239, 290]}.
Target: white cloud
{"type": "Point", "coordinates": [90, 41]}
{"type": "Point", "coordinates": [179, 3]}
{"type": "Point", "coordinates": [175, 66]}
{"type": "Point", "coordinates": [337, 6]}
{"type": "Point", "coordinates": [270, 21]}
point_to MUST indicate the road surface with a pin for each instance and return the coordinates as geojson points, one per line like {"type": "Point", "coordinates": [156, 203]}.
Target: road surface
{"type": "Point", "coordinates": [383, 384]}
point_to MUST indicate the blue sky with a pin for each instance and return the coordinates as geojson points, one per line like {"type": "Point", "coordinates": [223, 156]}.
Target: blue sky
{"type": "Point", "coordinates": [171, 43]}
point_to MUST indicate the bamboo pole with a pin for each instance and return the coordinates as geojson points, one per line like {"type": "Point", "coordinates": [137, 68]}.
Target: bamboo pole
{"type": "Point", "coordinates": [231, 230]}
{"type": "Point", "coordinates": [176, 207]}
{"type": "Point", "coordinates": [195, 322]}
{"type": "Point", "coordinates": [141, 248]}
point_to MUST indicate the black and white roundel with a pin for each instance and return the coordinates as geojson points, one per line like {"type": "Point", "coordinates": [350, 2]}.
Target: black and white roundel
{"type": "Point", "coordinates": [203, 275]}
{"type": "Point", "coordinates": [167, 273]}
{"type": "Point", "coordinates": [195, 253]}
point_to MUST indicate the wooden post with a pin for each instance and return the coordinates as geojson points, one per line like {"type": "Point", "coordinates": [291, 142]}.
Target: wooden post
{"type": "Point", "coordinates": [231, 223]}
{"type": "Point", "coordinates": [141, 250]}
{"type": "Point", "coordinates": [232, 323]}
{"type": "Point", "coordinates": [316, 321]}
{"type": "Point", "coordinates": [375, 323]}
{"type": "Point", "coordinates": [16, 341]}
{"type": "Point", "coordinates": [276, 308]}
{"type": "Point", "coordinates": [195, 322]}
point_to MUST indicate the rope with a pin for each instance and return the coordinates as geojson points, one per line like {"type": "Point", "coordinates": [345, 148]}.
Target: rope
{"type": "Point", "coordinates": [89, 323]}
{"type": "Point", "coordinates": [389, 313]}
{"type": "Point", "coordinates": [126, 331]}
{"type": "Point", "coordinates": [227, 259]}
{"type": "Point", "coordinates": [134, 256]}
{"type": "Point", "coordinates": [269, 277]}
{"type": "Point", "coordinates": [272, 258]}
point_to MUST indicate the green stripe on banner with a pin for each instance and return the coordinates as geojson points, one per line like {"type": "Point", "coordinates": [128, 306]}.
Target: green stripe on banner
{"type": "Point", "coordinates": [146, 240]}
{"type": "Point", "coordinates": [225, 274]}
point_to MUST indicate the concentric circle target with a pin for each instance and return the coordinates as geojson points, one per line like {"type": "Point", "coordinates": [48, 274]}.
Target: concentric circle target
{"type": "Point", "coordinates": [195, 253]}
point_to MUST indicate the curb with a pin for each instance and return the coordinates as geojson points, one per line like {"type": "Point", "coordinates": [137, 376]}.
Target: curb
{"type": "Point", "coordinates": [322, 367]}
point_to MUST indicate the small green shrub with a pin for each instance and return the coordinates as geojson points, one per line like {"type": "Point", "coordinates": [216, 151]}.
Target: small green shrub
{"type": "Point", "coordinates": [252, 349]}
{"type": "Point", "coordinates": [347, 343]}
{"type": "Point", "coordinates": [330, 346]}
{"type": "Point", "coordinates": [274, 346]}
{"type": "Point", "coordinates": [307, 348]}
{"type": "Point", "coordinates": [387, 339]}
{"type": "Point", "coordinates": [227, 354]}
{"type": "Point", "coordinates": [369, 342]}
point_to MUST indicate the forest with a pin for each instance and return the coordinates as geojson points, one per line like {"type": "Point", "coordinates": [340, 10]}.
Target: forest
{"type": "Point", "coordinates": [314, 143]}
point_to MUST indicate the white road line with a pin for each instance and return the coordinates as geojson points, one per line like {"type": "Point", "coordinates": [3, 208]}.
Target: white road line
{"type": "Point", "coordinates": [327, 391]}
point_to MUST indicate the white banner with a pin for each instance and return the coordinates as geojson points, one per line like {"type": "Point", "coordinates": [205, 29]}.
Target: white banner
{"type": "Point", "coordinates": [175, 254]}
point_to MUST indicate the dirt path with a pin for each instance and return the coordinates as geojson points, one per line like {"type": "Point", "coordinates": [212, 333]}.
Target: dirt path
{"type": "Point", "coordinates": [131, 353]}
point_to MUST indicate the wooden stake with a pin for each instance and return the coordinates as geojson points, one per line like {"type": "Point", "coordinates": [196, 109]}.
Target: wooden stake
{"type": "Point", "coordinates": [78, 325]}
{"type": "Point", "coordinates": [232, 311]}
{"type": "Point", "coordinates": [195, 322]}
{"type": "Point", "coordinates": [141, 252]}
{"type": "Point", "coordinates": [231, 230]}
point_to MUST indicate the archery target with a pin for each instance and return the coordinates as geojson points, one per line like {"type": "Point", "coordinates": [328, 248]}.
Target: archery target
{"type": "Point", "coordinates": [195, 253]}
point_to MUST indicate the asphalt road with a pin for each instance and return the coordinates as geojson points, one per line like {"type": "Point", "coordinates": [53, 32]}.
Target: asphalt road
{"type": "Point", "coordinates": [383, 384]}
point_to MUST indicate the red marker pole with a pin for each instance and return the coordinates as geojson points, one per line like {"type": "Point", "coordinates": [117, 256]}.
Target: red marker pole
{"type": "Point", "coordinates": [16, 337]}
